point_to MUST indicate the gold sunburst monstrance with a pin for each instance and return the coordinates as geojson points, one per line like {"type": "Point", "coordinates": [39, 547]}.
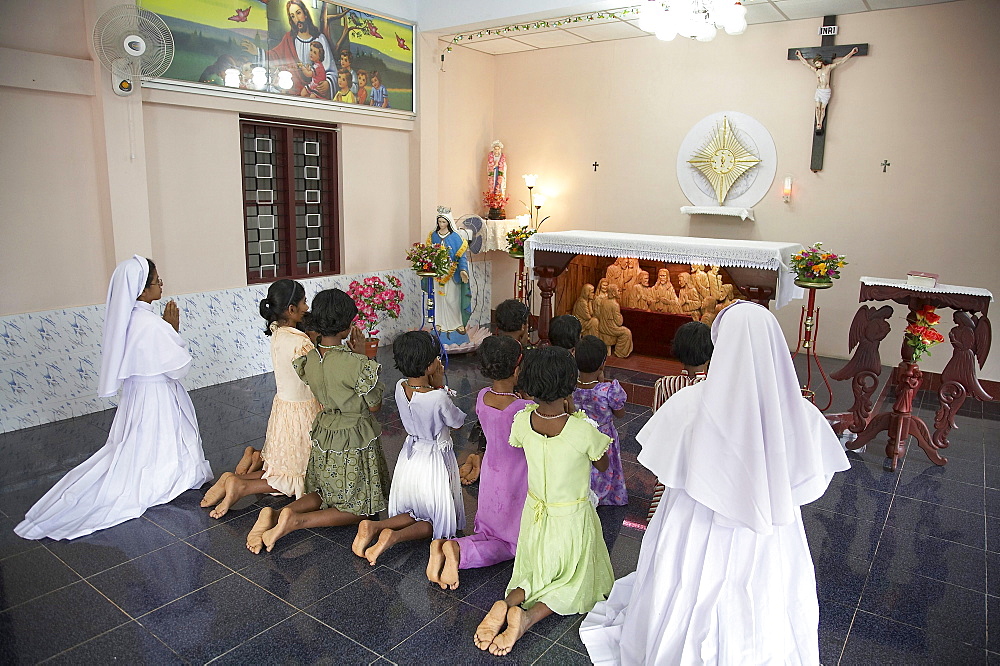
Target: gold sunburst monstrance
{"type": "Point", "coordinates": [723, 159]}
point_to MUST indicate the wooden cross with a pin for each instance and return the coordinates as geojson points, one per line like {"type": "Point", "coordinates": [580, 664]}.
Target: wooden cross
{"type": "Point", "coordinates": [595, 165]}
{"type": "Point", "coordinates": [828, 51]}
{"type": "Point", "coordinates": [885, 163]}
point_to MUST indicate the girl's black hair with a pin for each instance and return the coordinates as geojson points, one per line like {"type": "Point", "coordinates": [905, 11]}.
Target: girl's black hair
{"type": "Point", "coordinates": [548, 374]}
{"type": "Point", "coordinates": [591, 352]}
{"type": "Point", "coordinates": [692, 344]}
{"type": "Point", "coordinates": [414, 351]}
{"type": "Point", "coordinates": [149, 275]}
{"type": "Point", "coordinates": [499, 356]}
{"type": "Point", "coordinates": [564, 331]}
{"type": "Point", "coordinates": [332, 312]}
{"type": "Point", "coordinates": [281, 295]}
{"type": "Point", "coordinates": [511, 315]}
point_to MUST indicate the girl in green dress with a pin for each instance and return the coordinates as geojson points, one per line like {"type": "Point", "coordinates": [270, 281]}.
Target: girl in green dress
{"type": "Point", "coordinates": [346, 477]}
{"type": "Point", "coordinates": [562, 565]}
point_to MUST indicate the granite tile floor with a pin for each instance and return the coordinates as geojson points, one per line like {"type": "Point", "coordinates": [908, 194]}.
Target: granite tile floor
{"type": "Point", "coordinates": [907, 562]}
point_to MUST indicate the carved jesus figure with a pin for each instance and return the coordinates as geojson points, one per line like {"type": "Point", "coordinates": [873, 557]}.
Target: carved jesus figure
{"type": "Point", "coordinates": [823, 90]}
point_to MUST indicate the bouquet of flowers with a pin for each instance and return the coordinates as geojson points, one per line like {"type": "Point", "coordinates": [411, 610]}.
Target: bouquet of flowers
{"type": "Point", "coordinates": [921, 334]}
{"type": "Point", "coordinates": [814, 264]}
{"type": "Point", "coordinates": [516, 239]}
{"type": "Point", "coordinates": [375, 300]}
{"type": "Point", "coordinates": [494, 200]}
{"type": "Point", "coordinates": [429, 258]}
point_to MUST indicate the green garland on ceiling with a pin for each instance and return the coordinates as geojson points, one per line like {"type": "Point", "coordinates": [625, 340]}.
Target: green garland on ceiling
{"type": "Point", "coordinates": [552, 23]}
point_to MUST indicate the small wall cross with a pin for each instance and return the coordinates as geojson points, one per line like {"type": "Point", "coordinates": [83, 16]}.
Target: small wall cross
{"type": "Point", "coordinates": [595, 165]}
{"type": "Point", "coordinates": [885, 163]}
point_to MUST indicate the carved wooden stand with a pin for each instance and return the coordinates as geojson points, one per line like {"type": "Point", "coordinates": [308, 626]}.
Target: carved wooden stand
{"type": "Point", "coordinates": [808, 334]}
{"type": "Point", "coordinates": [970, 342]}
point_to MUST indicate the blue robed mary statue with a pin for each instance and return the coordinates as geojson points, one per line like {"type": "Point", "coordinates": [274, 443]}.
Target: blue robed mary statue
{"type": "Point", "coordinates": [452, 295]}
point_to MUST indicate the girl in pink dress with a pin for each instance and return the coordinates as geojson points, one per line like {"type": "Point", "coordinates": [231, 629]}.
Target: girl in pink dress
{"type": "Point", "coordinates": [504, 481]}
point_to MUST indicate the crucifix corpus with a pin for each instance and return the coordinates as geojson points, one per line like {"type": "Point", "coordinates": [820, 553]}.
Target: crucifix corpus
{"type": "Point", "coordinates": [823, 60]}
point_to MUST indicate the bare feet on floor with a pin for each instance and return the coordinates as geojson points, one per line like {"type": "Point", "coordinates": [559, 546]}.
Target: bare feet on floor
{"type": "Point", "coordinates": [469, 472]}
{"type": "Point", "coordinates": [243, 466]}
{"type": "Point", "coordinates": [435, 562]}
{"type": "Point", "coordinates": [267, 519]}
{"type": "Point", "coordinates": [490, 626]}
{"type": "Point", "coordinates": [449, 571]}
{"type": "Point", "coordinates": [366, 532]}
{"type": "Point", "coordinates": [234, 486]}
{"type": "Point", "coordinates": [385, 541]}
{"type": "Point", "coordinates": [287, 522]}
{"type": "Point", "coordinates": [517, 623]}
{"type": "Point", "coordinates": [216, 492]}
{"type": "Point", "coordinates": [256, 462]}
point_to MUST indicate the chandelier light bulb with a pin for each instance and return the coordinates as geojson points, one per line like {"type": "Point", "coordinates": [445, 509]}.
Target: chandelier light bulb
{"type": "Point", "coordinates": [530, 179]}
{"type": "Point", "coordinates": [650, 15]}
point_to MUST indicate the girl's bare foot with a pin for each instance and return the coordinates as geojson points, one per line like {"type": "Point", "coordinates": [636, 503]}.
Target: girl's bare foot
{"type": "Point", "coordinates": [476, 461]}
{"type": "Point", "coordinates": [234, 491]}
{"type": "Point", "coordinates": [517, 623]}
{"type": "Point", "coordinates": [385, 541]}
{"type": "Point", "coordinates": [435, 561]}
{"type": "Point", "coordinates": [490, 626]}
{"type": "Point", "coordinates": [267, 519]}
{"type": "Point", "coordinates": [287, 522]}
{"type": "Point", "coordinates": [243, 466]}
{"type": "Point", "coordinates": [449, 572]}
{"type": "Point", "coordinates": [464, 470]}
{"type": "Point", "coordinates": [366, 532]}
{"type": "Point", "coordinates": [216, 492]}
{"type": "Point", "coordinates": [256, 462]}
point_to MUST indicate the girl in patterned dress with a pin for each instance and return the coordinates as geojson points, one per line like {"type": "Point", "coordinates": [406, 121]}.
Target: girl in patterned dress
{"type": "Point", "coordinates": [287, 444]}
{"type": "Point", "coordinates": [346, 477]}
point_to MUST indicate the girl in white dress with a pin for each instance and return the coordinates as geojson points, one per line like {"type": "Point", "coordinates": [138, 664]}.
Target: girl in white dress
{"type": "Point", "coordinates": [724, 573]}
{"type": "Point", "coordinates": [153, 452]}
{"type": "Point", "coordinates": [425, 499]}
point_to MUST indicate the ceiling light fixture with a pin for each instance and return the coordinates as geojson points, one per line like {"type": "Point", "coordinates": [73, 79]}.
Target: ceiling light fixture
{"type": "Point", "coordinates": [694, 19]}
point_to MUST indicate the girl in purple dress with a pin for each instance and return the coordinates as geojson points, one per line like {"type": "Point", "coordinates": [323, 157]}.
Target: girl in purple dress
{"type": "Point", "coordinates": [504, 481]}
{"type": "Point", "coordinates": [601, 400]}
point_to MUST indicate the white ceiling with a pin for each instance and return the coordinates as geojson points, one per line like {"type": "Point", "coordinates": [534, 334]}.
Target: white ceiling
{"type": "Point", "coordinates": [600, 30]}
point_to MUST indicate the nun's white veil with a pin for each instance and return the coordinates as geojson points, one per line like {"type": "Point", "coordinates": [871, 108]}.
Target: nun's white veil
{"type": "Point", "coordinates": [127, 283]}
{"type": "Point", "coordinates": [744, 442]}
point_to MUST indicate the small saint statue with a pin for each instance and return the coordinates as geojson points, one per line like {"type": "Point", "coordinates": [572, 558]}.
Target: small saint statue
{"type": "Point", "coordinates": [823, 90]}
{"type": "Point", "coordinates": [496, 170]}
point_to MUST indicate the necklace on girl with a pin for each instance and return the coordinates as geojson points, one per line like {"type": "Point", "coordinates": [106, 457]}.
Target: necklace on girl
{"type": "Point", "coordinates": [549, 416]}
{"type": "Point", "coordinates": [513, 395]}
{"type": "Point", "coordinates": [583, 383]}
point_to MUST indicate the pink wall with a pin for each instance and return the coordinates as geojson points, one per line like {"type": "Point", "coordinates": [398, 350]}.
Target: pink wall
{"type": "Point", "coordinates": [629, 104]}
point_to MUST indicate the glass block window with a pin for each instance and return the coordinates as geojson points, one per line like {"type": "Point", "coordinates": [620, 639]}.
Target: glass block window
{"type": "Point", "coordinates": [290, 199]}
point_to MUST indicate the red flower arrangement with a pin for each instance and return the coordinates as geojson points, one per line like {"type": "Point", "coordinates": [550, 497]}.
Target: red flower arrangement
{"type": "Point", "coordinates": [375, 300]}
{"type": "Point", "coordinates": [920, 335]}
{"type": "Point", "coordinates": [494, 200]}
{"type": "Point", "coordinates": [429, 258]}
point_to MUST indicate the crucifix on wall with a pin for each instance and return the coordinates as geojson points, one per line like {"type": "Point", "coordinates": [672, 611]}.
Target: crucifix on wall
{"type": "Point", "coordinates": [823, 60]}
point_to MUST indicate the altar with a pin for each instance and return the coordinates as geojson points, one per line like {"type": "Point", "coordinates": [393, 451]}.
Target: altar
{"type": "Point", "coordinates": [759, 269]}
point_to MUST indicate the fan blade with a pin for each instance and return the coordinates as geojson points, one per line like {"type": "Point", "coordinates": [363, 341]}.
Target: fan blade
{"type": "Point", "coordinates": [476, 245]}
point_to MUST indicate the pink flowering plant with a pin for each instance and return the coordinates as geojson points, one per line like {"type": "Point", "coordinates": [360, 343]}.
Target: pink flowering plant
{"type": "Point", "coordinates": [376, 299]}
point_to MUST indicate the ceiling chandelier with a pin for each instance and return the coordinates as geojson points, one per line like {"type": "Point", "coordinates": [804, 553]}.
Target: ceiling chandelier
{"type": "Point", "coordinates": [694, 19]}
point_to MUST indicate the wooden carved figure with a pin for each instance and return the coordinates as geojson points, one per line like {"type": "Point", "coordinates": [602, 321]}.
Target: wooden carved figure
{"type": "Point", "coordinates": [709, 308]}
{"type": "Point", "coordinates": [729, 295]}
{"type": "Point", "coordinates": [688, 296]}
{"type": "Point", "coordinates": [700, 281]}
{"type": "Point", "coordinates": [638, 296]}
{"type": "Point", "coordinates": [609, 324]}
{"type": "Point", "coordinates": [630, 275]}
{"type": "Point", "coordinates": [615, 273]}
{"type": "Point", "coordinates": [970, 339]}
{"type": "Point", "coordinates": [583, 310]}
{"type": "Point", "coordinates": [662, 296]}
{"type": "Point", "coordinates": [868, 329]}
{"type": "Point", "coordinates": [715, 285]}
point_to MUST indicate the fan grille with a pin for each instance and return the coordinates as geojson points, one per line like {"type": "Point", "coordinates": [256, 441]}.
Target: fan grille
{"type": "Point", "coordinates": [119, 22]}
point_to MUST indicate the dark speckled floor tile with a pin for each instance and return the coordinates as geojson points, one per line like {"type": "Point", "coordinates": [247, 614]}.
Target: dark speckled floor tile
{"type": "Point", "coordinates": [227, 542]}
{"type": "Point", "coordinates": [299, 640]}
{"type": "Point", "coordinates": [931, 605]}
{"type": "Point", "coordinates": [878, 640]}
{"type": "Point", "coordinates": [10, 543]}
{"type": "Point", "coordinates": [148, 582]}
{"type": "Point", "coordinates": [936, 489]}
{"type": "Point", "coordinates": [127, 644]}
{"type": "Point", "coordinates": [957, 469]}
{"type": "Point", "coordinates": [837, 532]}
{"type": "Point", "coordinates": [307, 571]}
{"type": "Point", "coordinates": [927, 518]}
{"type": "Point", "coordinates": [47, 625]}
{"type": "Point", "coordinates": [184, 516]}
{"type": "Point", "coordinates": [868, 473]}
{"type": "Point", "coordinates": [360, 610]}
{"type": "Point", "coordinates": [448, 640]}
{"type": "Point", "coordinates": [835, 619]}
{"type": "Point", "coordinates": [31, 574]}
{"type": "Point", "coordinates": [107, 548]}
{"type": "Point", "coordinates": [855, 500]}
{"type": "Point", "coordinates": [216, 618]}
{"type": "Point", "coordinates": [558, 655]}
{"type": "Point", "coordinates": [840, 578]}
{"type": "Point", "coordinates": [931, 557]}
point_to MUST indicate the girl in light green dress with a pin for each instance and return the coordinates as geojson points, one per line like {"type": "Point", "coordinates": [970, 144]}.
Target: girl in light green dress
{"type": "Point", "coordinates": [562, 564]}
{"type": "Point", "coordinates": [346, 478]}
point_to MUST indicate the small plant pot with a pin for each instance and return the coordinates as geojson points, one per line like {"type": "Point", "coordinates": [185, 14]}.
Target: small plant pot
{"type": "Point", "coordinates": [371, 347]}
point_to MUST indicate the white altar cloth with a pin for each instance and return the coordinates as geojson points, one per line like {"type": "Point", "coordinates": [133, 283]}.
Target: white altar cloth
{"type": "Point", "coordinates": [939, 289]}
{"type": "Point", "coordinates": [765, 255]}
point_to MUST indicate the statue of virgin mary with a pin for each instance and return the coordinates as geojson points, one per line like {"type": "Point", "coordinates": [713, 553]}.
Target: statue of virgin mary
{"type": "Point", "coordinates": [452, 294]}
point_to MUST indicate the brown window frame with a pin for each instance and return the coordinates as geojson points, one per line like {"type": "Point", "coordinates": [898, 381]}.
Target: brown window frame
{"type": "Point", "coordinates": [289, 202]}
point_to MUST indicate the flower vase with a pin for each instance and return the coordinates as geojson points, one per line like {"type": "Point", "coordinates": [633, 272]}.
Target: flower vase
{"type": "Point", "coordinates": [814, 283]}
{"type": "Point", "coordinates": [497, 214]}
{"type": "Point", "coordinates": [425, 274]}
{"type": "Point", "coordinates": [516, 253]}
{"type": "Point", "coordinates": [371, 347]}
